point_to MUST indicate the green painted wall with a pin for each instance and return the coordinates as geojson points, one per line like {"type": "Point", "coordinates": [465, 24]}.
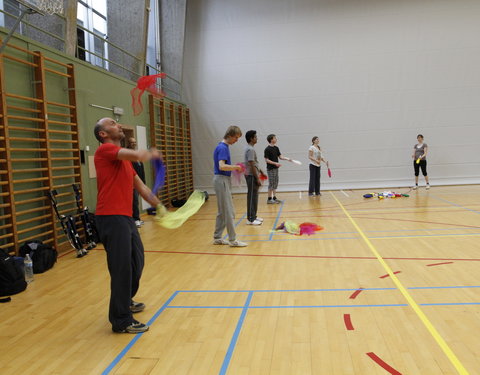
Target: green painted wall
{"type": "Point", "coordinates": [93, 86]}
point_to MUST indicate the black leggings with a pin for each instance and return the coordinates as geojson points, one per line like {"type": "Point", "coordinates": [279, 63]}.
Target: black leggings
{"type": "Point", "coordinates": [422, 164]}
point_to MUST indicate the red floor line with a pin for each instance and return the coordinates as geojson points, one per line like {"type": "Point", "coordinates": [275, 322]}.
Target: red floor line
{"type": "Point", "coordinates": [383, 364]}
{"type": "Point", "coordinates": [301, 256]}
{"type": "Point", "coordinates": [66, 253]}
{"type": "Point", "coordinates": [348, 322]}
{"type": "Point", "coordinates": [387, 275]}
{"type": "Point", "coordinates": [437, 264]}
{"type": "Point", "coordinates": [356, 293]}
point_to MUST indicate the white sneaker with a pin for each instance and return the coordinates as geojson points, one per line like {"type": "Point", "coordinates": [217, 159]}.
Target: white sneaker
{"type": "Point", "coordinates": [259, 219]}
{"type": "Point", "coordinates": [277, 201]}
{"type": "Point", "coordinates": [427, 187]}
{"type": "Point", "coordinates": [237, 243]}
{"type": "Point", "coordinates": [138, 223]}
{"type": "Point", "coordinates": [220, 241]}
{"type": "Point", "coordinates": [254, 222]}
{"type": "Point", "coordinates": [415, 187]}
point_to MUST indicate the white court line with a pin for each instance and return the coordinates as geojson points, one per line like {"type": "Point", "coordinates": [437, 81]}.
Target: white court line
{"type": "Point", "coordinates": [345, 193]}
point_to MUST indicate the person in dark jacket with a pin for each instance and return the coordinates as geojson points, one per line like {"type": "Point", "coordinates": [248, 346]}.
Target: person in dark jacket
{"type": "Point", "coordinates": [139, 168]}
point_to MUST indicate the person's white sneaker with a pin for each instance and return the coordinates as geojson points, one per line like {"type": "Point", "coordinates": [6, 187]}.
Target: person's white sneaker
{"type": "Point", "coordinates": [237, 243]}
{"type": "Point", "coordinates": [427, 187]}
{"type": "Point", "coordinates": [138, 223]}
{"type": "Point", "coordinates": [415, 187]}
{"type": "Point", "coordinates": [220, 241]}
{"type": "Point", "coordinates": [254, 222]}
{"type": "Point", "coordinates": [259, 219]}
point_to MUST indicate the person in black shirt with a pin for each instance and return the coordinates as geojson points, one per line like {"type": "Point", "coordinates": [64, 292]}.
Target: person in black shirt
{"type": "Point", "coordinates": [139, 168]}
{"type": "Point", "coordinates": [272, 154]}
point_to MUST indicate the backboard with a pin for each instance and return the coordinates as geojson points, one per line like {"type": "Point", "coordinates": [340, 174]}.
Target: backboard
{"type": "Point", "coordinates": [43, 7]}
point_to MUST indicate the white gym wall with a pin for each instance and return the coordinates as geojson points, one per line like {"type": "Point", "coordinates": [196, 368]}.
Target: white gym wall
{"type": "Point", "coordinates": [366, 76]}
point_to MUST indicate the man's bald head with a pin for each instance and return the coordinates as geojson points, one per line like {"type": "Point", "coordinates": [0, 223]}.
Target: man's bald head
{"type": "Point", "coordinates": [98, 128]}
{"type": "Point", "coordinates": [108, 128]}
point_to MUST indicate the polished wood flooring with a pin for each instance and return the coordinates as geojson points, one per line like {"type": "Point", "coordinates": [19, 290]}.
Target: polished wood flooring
{"type": "Point", "coordinates": [388, 287]}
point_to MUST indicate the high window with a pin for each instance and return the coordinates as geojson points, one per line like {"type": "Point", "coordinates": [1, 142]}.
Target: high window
{"type": "Point", "coordinates": [13, 8]}
{"type": "Point", "coordinates": [153, 40]}
{"type": "Point", "coordinates": [92, 33]}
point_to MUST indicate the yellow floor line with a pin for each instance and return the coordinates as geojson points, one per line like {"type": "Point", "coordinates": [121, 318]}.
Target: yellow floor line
{"type": "Point", "coordinates": [433, 331]}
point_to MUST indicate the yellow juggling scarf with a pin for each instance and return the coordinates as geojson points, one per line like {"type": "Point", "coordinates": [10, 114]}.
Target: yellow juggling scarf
{"type": "Point", "coordinates": [175, 219]}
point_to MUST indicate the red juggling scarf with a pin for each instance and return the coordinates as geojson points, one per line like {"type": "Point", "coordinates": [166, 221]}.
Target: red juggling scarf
{"type": "Point", "coordinates": [148, 83]}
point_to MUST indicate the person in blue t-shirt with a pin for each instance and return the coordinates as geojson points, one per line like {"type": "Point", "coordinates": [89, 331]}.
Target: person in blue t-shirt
{"type": "Point", "coordinates": [222, 184]}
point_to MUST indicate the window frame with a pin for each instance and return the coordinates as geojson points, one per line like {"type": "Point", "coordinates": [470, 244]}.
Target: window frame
{"type": "Point", "coordinates": [90, 36]}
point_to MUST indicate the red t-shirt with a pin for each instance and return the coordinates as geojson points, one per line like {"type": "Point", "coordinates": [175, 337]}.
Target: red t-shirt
{"type": "Point", "coordinates": [114, 182]}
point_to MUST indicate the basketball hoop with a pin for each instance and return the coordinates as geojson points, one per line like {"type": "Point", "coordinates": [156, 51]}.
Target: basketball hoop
{"type": "Point", "coordinates": [42, 7]}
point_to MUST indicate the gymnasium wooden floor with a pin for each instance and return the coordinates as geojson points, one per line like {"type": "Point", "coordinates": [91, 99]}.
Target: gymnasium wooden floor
{"type": "Point", "coordinates": [388, 287]}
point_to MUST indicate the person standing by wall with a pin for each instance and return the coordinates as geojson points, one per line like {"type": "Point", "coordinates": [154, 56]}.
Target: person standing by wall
{"type": "Point", "coordinates": [252, 177]}
{"type": "Point", "coordinates": [315, 157]}
{"type": "Point", "coordinates": [420, 161]}
{"type": "Point", "coordinates": [139, 168]}
{"type": "Point", "coordinates": [125, 257]}
{"type": "Point", "coordinates": [272, 154]}
{"type": "Point", "coordinates": [223, 168]}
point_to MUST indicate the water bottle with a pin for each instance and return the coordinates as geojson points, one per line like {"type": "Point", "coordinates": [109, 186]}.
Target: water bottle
{"type": "Point", "coordinates": [28, 267]}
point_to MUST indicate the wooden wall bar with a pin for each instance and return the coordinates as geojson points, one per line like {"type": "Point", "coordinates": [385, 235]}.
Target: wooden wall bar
{"type": "Point", "coordinates": [39, 148]}
{"type": "Point", "coordinates": [170, 133]}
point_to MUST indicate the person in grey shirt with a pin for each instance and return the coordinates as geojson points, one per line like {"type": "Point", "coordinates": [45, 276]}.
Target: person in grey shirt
{"type": "Point", "coordinates": [252, 177]}
{"type": "Point", "coordinates": [420, 161]}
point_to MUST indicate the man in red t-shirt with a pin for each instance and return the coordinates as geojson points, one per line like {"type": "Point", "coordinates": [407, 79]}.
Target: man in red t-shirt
{"type": "Point", "coordinates": [116, 179]}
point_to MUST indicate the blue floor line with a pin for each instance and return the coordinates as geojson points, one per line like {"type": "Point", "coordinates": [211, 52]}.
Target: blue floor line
{"type": "Point", "coordinates": [236, 224]}
{"type": "Point", "coordinates": [247, 306]}
{"type": "Point", "coordinates": [414, 230]}
{"type": "Point", "coordinates": [326, 306]}
{"type": "Point", "coordinates": [366, 231]}
{"type": "Point", "coordinates": [281, 290]}
{"type": "Point", "coordinates": [233, 342]}
{"type": "Point", "coordinates": [295, 238]}
{"type": "Point", "coordinates": [445, 287]}
{"type": "Point", "coordinates": [137, 336]}
{"type": "Point", "coordinates": [205, 307]}
{"type": "Point", "coordinates": [450, 304]}
{"type": "Point", "coordinates": [276, 221]}
{"type": "Point", "coordinates": [426, 235]}
{"type": "Point", "coordinates": [454, 204]}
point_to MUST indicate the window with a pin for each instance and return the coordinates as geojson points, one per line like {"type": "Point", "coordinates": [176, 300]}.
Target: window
{"type": "Point", "coordinates": [91, 35]}
{"type": "Point", "coordinates": [153, 40]}
{"type": "Point", "coordinates": [12, 7]}
{"type": "Point", "coordinates": [2, 17]}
